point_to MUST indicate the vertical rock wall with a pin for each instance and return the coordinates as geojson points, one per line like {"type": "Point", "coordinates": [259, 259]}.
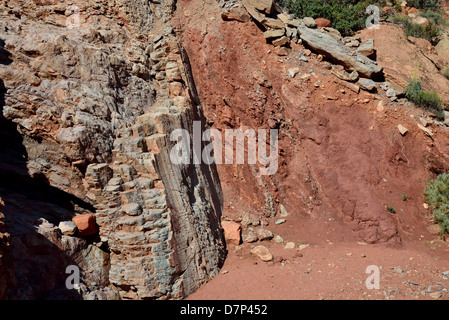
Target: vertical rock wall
{"type": "Point", "coordinates": [91, 110]}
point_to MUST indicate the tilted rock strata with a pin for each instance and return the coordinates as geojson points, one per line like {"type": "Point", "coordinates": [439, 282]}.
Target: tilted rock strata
{"type": "Point", "coordinates": [95, 107]}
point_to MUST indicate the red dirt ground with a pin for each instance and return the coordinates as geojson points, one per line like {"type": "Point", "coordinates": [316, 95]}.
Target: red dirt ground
{"type": "Point", "coordinates": [342, 162]}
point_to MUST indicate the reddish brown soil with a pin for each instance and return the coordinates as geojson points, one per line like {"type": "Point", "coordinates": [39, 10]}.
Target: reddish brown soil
{"type": "Point", "coordinates": [342, 162]}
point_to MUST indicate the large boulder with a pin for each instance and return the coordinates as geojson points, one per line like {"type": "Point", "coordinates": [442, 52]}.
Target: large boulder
{"type": "Point", "coordinates": [336, 51]}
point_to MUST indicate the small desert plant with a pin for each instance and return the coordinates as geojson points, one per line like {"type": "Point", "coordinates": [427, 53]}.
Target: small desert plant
{"type": "Point", "coordinates": [391, 209]}
{"type": "Point", "coordinates": [429, 32]}
{"type": "Point", "coordinates": [404, 197]}
{"type": "Point", "coordinates": [437, 195]}
{"type": "Point", "coordinates": [435, 18]}
{"type": "Point", "coordinates": [424, 99]}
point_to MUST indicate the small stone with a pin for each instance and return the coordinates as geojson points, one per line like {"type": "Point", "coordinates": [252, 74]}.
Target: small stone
{"type": "Point", "coordinates": [280, 221]}
{"type": "Point", "coordinates": [263, 253]}
{"type": "Point", "coordinates": [424, 122]}
{"type": "Point", "coordinates": [276, 33]}
{"type": "Point", "coordinates": [309, 22]}
{"type": "Point", "coordinates": [435, 295]}
{"type": "Point", "coordinates": [403, 130]}
{"type": "Point", "coordinates": [304, 59]}
{"type": "Point", "coordinates": [264, 234]}
{"type": "Point", "coordinates": [292, 73]}
{"type": "Point", "coordinates": [426, 130]}
{"type": "Point", "coordinates": [289, 245]}
{"type": "Point", "coordinates": [278, 239]}
{"type": "Point", "coordinates": [67, 228]}
{"type": "Point", "coordinates": [280, 41]}
{"type": "Point", "coordinates": [322, 23]}
{"type": "Point", "coordinates": [284, 213]}
{"type": "Point", "coordinates": [367, 84]}
{"type": "Point", "coordinates": [282, 51]}
{"type": "Point", "coordinates": [391, 93]}
{"type": "Point", "coordinates": [380, 106]}
{"type": "Point", "coordinates": [249, 236]}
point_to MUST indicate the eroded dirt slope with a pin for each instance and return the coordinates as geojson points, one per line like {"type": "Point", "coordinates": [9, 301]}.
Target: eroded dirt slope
{"type": "Point", "coordinates": [342, 162]}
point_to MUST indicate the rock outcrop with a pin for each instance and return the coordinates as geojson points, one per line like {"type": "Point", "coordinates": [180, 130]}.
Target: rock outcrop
{"type": "Point", "coordinates": [88, 104]}
{"type": "Point", "coordinates": [331, 48]}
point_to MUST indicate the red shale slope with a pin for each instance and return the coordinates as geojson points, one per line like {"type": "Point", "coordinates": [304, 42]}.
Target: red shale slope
{"type": "Point", "coordinates": [342, 159]}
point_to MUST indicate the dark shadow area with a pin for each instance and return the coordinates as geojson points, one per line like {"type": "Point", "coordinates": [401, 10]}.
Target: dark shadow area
{"type": "Point", "coordinates": [39, 265]}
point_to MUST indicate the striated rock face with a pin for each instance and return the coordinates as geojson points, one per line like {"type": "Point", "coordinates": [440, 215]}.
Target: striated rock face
{"type": "Point", "coordinates": [87, 104]}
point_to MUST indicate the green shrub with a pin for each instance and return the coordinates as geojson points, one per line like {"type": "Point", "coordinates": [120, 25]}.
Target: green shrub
{"type": "Point", "coordinates": [429, 32]}
{"type": "Point", "coordinates": [347, 16]}
{"type": "Point", "coordinates": [437, 195]}
{"type": "Point", "coordinates": [434, 5]}
{"type": "Point", "coordinates": [424, 99]}
{"type": "Point", "coordinates": [435, 18]}
{"type": "Point", "coordinates": [404, 197]}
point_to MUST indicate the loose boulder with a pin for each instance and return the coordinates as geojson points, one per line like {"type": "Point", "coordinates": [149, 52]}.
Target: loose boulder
{"type": "Point", "coordinates": [67, 228]}
{"type": "Point", "coordinates": [237, 14]}
{"type": "Point", "coordinates": [322, 23]}
{"type": "Point", "coordinates": [271, 34]}
{"type": "Point", "coordinates": [231, 232]}
{"type": "Point", "coordinates": [367, 84]}
{"type": "Point", "coordinates": [309, 22]}
{"type": "Point", "coordinates": [263, 253]}
{"type": "Point", "coordinates": [86, 224]}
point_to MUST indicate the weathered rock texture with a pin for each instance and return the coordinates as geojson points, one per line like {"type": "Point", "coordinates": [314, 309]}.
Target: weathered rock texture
{"type": "Point", "coordinates": [331, 48]}
{"type": "Point", "coordinates": [86, 119]}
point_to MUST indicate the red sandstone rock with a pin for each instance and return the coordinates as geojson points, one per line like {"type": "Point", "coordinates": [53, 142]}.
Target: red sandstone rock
{"type": "Point", "coordinates": [322, 23]}
{"type": "Point", "coordinates": [86, 224]}
{"type": "Point", "coordinates": [231, 232]}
